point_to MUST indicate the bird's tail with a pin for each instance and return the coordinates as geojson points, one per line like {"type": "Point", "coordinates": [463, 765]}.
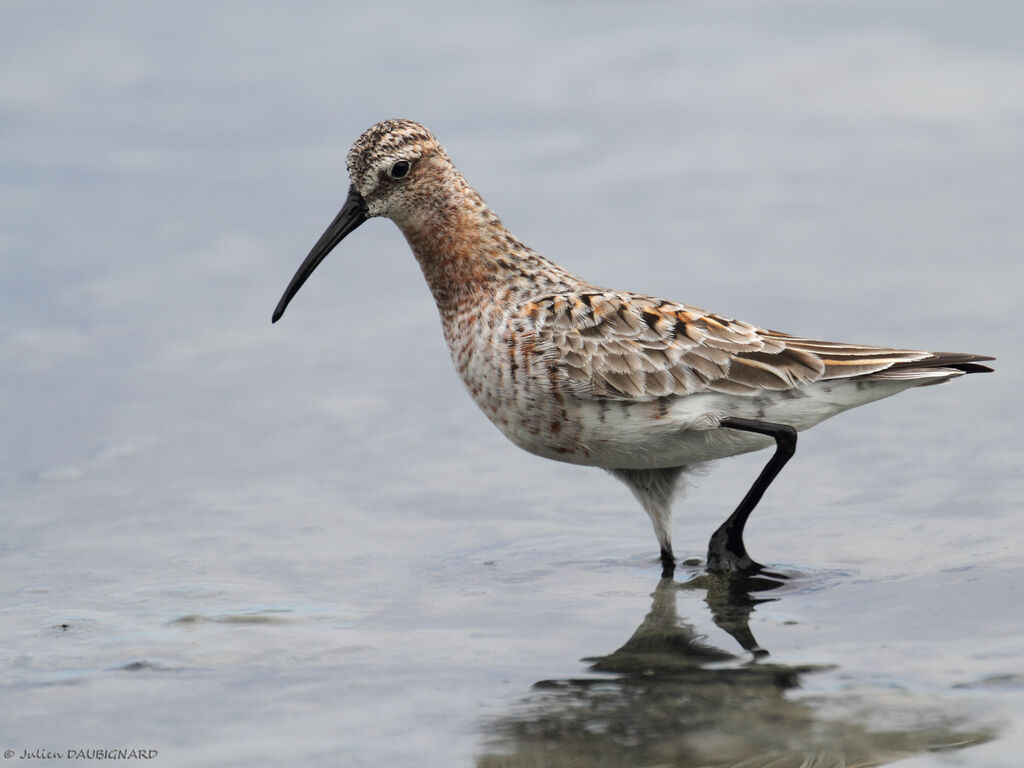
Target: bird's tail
{"type": "Point", "coordinates": [938, 367]}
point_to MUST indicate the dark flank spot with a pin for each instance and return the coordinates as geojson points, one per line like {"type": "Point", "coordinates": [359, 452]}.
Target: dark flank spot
{"type": "Point", "coordinates": [510, 342]}
{"type": "Point", "coordinates": [662, 406]}
{"type": "Point", "coordinates": [625, 407]}
{"type": "Point", "coordinates": [861, 385]}
{"type": "Point", "coordinates": [556, 427]}
{"type": "Point", "coordinates": [651, 318]}
{"type": "Point", "coordinates": [679, 329]}
{"type": "Point", "coordinates": [602, 405]}
{"type": "Point", "coordinates": [792, 394]}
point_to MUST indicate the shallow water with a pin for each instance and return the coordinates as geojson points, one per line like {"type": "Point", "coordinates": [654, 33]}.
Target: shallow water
{"type": "Point", "coordinates": [245, 544]}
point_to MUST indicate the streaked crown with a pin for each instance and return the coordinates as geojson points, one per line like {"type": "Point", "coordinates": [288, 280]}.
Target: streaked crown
{"type": "Point", "coordinates": [382, 145]}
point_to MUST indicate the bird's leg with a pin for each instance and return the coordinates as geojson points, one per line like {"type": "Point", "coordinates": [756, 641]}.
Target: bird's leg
{"type": "Point", "coordinates": [654, 489]}
{"type": "Point", "coordinates": [668, 563]}
{"type": "Point", "coordinates": [726, 553]}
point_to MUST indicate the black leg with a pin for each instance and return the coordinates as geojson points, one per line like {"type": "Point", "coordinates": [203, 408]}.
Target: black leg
{"type": "Point", "coordinates": [726, 553]}
{"type": "Point", "coordinates": [668, 563]}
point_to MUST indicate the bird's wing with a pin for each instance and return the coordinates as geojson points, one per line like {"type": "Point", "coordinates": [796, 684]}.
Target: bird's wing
{"type": "Point", "coordinates": [624, 346]}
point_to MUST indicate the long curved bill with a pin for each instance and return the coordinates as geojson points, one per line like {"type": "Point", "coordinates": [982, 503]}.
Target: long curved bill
{"type": "Point", "coordinates": [352, 214]}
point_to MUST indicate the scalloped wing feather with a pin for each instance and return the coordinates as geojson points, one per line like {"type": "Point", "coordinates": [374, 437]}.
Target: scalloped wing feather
{"type": "Point", "coordinates": [624, 346]}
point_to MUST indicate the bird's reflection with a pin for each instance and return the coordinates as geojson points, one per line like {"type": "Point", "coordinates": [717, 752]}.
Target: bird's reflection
{"type": "Point", "coordinates": [668, 697]}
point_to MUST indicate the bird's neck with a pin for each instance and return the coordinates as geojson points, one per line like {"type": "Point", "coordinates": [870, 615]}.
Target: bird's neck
{"type": "Point", "coordinates": [470, 259]}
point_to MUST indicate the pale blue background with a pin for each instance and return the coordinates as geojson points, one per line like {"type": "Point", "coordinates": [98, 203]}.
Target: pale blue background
{"type": "Point", "coordinates": [318, 549]}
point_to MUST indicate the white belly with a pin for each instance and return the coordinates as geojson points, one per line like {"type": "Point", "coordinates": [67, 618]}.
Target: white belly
{"type": "Point", "coordinates": [680, 431]}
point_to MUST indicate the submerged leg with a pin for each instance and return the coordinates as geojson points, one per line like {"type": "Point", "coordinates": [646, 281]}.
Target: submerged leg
{"type": "Point", "coordinates": [726, 553]}
{"type": "Point", "coordinates": [654, 489]}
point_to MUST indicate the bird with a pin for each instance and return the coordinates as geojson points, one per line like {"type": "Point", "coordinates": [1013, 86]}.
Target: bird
{"type": "Point", "coordinates": [640, 386]}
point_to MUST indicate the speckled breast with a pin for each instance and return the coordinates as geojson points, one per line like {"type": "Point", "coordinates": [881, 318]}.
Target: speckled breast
{"type": "Point", "coordinates": [520, 388]}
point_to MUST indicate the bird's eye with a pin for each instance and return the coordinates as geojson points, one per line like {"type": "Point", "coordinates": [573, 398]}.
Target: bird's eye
{"type": "Point", "coordinates": [400, 169]}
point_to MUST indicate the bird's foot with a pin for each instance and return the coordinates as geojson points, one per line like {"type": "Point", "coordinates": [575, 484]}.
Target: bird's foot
{"type": "Point", "coordinates": [740, 567]}
{"type": "Point", "coordinates": [726, 554]}
{"type": "Point", "coordinates": [728, 563]}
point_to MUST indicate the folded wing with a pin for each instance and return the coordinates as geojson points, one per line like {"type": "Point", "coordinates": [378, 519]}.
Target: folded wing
{"type": "Point", "coordinates": [628, 347]}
